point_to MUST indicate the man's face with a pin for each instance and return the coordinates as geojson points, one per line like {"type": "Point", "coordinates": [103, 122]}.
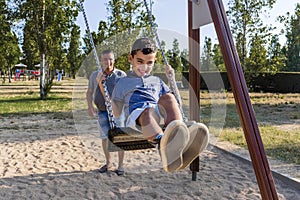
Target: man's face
{"type": "Point", "coordinates": [107, 62]}
{"type": "Point", "coordinates": [142, 64]}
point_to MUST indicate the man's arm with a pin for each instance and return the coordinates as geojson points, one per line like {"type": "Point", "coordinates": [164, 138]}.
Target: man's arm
{"type": "Point", "coordinates": [89, 99]}
{"type": "Point", "coordinates": [100, 79]}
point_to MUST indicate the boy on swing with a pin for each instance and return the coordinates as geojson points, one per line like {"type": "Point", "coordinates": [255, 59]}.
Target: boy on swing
{"type": "Point", "coordinates": [146, 99]}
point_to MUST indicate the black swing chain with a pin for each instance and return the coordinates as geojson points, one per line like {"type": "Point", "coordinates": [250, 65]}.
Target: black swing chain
{"type": "Point", "coordinates": [173, 85]}
{"type": "Point", "coordinates": [112, 122]}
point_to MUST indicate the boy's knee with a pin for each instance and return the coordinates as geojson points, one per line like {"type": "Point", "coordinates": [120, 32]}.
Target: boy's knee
{"type": "Point", "coordinates": [167, 99]}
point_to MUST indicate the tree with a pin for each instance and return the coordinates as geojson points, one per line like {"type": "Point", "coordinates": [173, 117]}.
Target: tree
{"type": "Point", "coordinates": [246, 24]}
{"type": "Point", "coordinates": [207, 55]}
{"type": "Point", "coordinates": [218, 58]}
{"type": "Point", "coordinates": [9, 49]}
{"type": "Point", "coordinates": [74, 55]}
{"type": "Point", "coordinates": [49, 23]}
{"type": "Point", "coordinates": [276, 57]}
{"type": "Point", "coordinates": [174, 57]}
{"type": "Point", "coordinates": [184, 55]}
{"type": "Point", "coordinates": [30, 47]}
{"type": "Point", "coordinates": [292, 49]}
{"type": "Point", "coordinates": [11, 52]}
{"type": "Point", "coordinates": [4, 30]}
{"type": "Point", "coordinates": [257, 60]}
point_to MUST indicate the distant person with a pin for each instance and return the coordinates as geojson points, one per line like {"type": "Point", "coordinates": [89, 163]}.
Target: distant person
{"type": "Point", "coordinates": [17, 75]}
{"type": "Point", "coordinates": [59, 75]}
{"type": "Point", "coordinates": [95, 93]}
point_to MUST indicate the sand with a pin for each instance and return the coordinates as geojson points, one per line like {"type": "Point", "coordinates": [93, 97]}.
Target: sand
{"type": "Point", "coordinates": [47, 156]}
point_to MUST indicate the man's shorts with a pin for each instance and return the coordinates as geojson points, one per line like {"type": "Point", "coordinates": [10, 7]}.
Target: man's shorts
{"type": "Point", "coordinates": [131, 120]}
{"type": "Point", "coordinates": [103, 123]}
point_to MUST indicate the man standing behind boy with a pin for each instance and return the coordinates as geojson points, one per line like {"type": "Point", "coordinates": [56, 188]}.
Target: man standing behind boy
{"type": "Point", "coordinates": [96, 94]}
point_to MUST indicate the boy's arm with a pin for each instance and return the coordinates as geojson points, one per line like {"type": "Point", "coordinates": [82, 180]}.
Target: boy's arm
{"type": "Point", "coordinates": [117, 101]}
{"type": "Point", "coordinates": [170, 70]}
{"type": "Point", "coordinates": [117, 108]}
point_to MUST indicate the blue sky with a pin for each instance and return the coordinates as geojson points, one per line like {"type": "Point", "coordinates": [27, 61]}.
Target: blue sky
{"type": "Point", "coordinates": [171, 17]}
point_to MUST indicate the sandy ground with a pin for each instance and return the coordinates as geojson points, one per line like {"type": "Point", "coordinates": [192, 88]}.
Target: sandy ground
{"type": "Point", "coordinates": [48, 156]}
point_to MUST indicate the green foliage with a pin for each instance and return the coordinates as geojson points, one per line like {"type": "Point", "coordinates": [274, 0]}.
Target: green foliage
{"type": "Point", "coordinates": [257, 59]}
{"type": "Point", "coordinates": [47, 30]}
{"type": "Point", "coordinates": [74, 54]}
{"type": "Point", "coordinates": [207, 56]}
{"type": "Point", "coordinates": [276, 57]}
{"type": "Point", "coordinates": [9, 49]}
{"type": "Point", "coordinates": [218, 58]}
{"type": "Point", "coordinates": [292, 49]}
{"type": "Point", "coordinates": [174, 57]}
{"type": "Point", "coordinates": [30, 47]}
{"type": "Point", "coordinates": [246, 26]}
{"type": "Point", "coordinates": [184, 56]}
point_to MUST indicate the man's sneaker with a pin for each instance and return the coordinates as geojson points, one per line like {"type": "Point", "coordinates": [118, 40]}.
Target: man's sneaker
{"type": "Point", "coordinates": [120, 171]}
{"type": "Point", "coordinates": [103, 169]}
{"type": "Point", "coordinates": [199, 135]}
{"type": "Point", "coordinates": [172, 144]}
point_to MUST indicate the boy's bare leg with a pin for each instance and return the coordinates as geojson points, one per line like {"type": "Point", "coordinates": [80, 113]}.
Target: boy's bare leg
{"type": "Point", "coordinates": [149, 121]}
{"type": "Point", "coordinates": [168, 108]}
{"type": "Point", "coordinates": [173, 144]}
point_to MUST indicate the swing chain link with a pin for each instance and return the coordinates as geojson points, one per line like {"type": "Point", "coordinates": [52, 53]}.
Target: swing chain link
{"type": "Point", "coordinates": [112, 122]}
{"type": "Point", "coordinates": [173, 85]}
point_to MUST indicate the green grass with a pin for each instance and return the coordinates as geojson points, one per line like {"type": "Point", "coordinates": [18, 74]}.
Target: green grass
{"type": "Point", "coordinates": [279, 144]}
{"type": "Point", "coordinates": [31, 103]}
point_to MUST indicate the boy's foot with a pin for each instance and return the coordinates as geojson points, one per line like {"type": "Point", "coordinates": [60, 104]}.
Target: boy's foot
{"type": "Point", "coordinates": [199, 135]}
{"type": "Point", "coordinates": [172, 144]}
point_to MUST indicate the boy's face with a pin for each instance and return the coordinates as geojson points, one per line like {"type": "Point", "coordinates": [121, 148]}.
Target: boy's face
{"type": "Point", "coordinates": [142, 64]}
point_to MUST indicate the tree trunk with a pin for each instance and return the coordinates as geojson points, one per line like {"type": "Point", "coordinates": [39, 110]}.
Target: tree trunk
{"type": "Point", "coordinates": [42, 76]}
{"type": "Point", "coordinates": [43, 92]}
{"type": "Point", "coordinates": [9, 74]}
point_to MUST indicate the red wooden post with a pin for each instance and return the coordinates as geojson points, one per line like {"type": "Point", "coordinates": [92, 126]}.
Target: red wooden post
{"type": "Point", "coordinates": [238, 84]}
{"type": "Point", "coordinates": [194, 78]}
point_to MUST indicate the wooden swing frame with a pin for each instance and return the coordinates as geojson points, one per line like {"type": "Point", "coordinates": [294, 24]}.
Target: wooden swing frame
{"type": "Point", "coordinates": [239, 88]}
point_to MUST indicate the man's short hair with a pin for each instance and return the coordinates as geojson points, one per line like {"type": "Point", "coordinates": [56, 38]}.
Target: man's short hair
{"type": "Point", "coordinates": [146, 45]}
{"type": "Point", "coordinates": [107, 51]}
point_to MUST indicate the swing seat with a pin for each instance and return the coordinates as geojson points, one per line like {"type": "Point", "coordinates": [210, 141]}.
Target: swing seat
{"type": "Point", "coordinates": [127, 139]}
